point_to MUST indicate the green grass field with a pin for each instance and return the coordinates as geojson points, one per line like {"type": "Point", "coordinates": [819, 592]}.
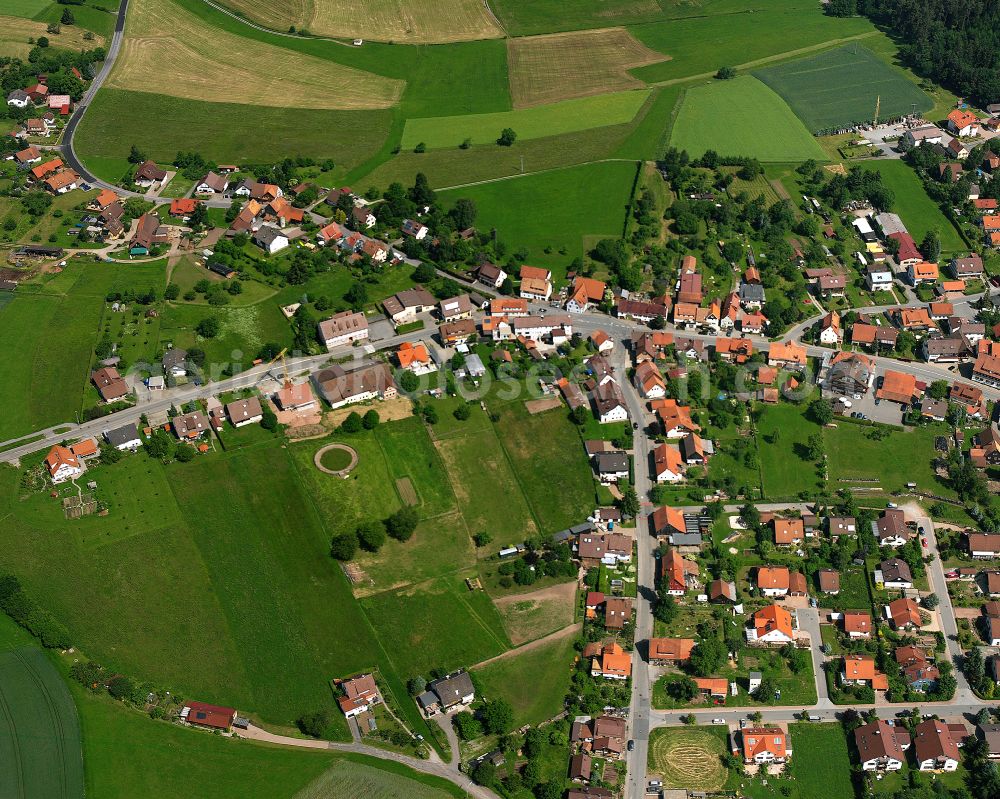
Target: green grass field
{"type": "Point", "coordinates": [129, 755]}
{"type": "Point", "coordinates": [786, 471]}
{"type": "Point", "coordinates": [840, 87]}
{"type": "Point", "coordinates": [529, 123]}
{"type": "Point", "coordinates": [742, 117]}
{"type": "Point", "coordinates": [436, 625]}
{"type": "Point", "coordinates": [689, 757]}
{"type": "Point", "coordinates": [535, 683]}
{"type": "Point", "coordinates": [820, 767]}
{"type": "Point", "coordinates": [700, 45]}
{"type": "Point", "coordinates": [851, 453]}
{"type": "Point", "coordinates": [23, 8]}
{"type": "Point", "coordinates": [917, 210]}
{"type": "Point", "coordinates": [549, 463]}
{"type": "Point", "coordinates": [579, 201]}
{"type": "Point", "coordinates": [39, 732]}
{"type": "Point", "coordinates": [118, 119]}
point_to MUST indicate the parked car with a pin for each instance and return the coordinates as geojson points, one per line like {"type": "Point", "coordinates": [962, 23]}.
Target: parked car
{"type": "Point", "coordinates": [718, 721]}
{"type": "Point", "coordinates": [631, 744]}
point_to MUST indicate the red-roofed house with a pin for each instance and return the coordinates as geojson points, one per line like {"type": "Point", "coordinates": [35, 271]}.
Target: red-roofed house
{"type": "Point", "coordinates": [202, 714]}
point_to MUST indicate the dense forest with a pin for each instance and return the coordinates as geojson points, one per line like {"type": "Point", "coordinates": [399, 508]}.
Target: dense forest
{"type": "Point", "coordinates": [954, 42]}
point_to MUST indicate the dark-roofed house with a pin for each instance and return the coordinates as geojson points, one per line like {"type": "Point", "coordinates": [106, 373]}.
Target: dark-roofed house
{"type": "Point", "coordinates": [881, 746]}
{"type": "Point", "coordinates": [983, 546]}
{"type": "Point", "coordinates": [895, 574]}
{"type": "Point", "coordinates": [990, 733]}
{"type": "Point", "coordinates": [245, 411]}
{"type": "Point", "coordinates": [174, 362]}
{"type": "Point", "coordinates": [367, 382]}
{"type": "Point", "coordinates": [148, 233]}
{"type": "Point", "coordinates": [110, 385]}
{"type": "Point", "coordinates": [403, 307]}
{"type": "Point", "coordinates": [148, 173]}
{"type": "Point", "coordinates": [891, 529]}
{"type": "Point", "coordinates": [611, 466]}
{"type": "Point", "coordinates": [447, 692]}
{"type": "Point", "coordinates": [579, 767]}
{"type": "Point", "coordinates": [125, 437]}
{"type": "Point", "coordinates": [190, 425]}
{"type": "Point", "coordinates": [935, 747]}
{"type": "Point", "coordinates": [343, 328]}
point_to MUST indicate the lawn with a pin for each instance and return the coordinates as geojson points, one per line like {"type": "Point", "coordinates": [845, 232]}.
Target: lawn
{"type": "Point", "coordinates": [117, 119]}
{"type": "Point", "coordinates": [579, 201]}
{"type": "Point", "coordinates": [129, 755]}
{"type": "Point", "coordinates": [917, 210]}
{"type": "Point", "coordinates": [534, 682]}
{"type": "Point", "coordinates": [840, 87]}
{"type": "Point", "coordinates": [853, 453]}
{"type": "Point", "coordinates": [783, 433]}
{"type": "Point", "coordinates": [40, 732]}
{"type": "Point", "coordinates": [529, 123]}
{"type": "Point", "coordinates": [243, 589]}
{"type": "Point", "coordinates": [25, 8]}
{"type": "Point", "coordinates": [772, 30]}
{"type": "Point", "coordinates": [243, 331]}
{"type": "Point", "coordinates": [820, 767]}
{"type": "Point", "coordinates": [436, 625]}
{"type": "Point", "coordinates": [689, 757]}
{"type": "Point", "coordinates": [853, 592]}
{"type": "Point", "coordinates": [548, 462]}
{"type": "Point", "coordinates": [742, 117]}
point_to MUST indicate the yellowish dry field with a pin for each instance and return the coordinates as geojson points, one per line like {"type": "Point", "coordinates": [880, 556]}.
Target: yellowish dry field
{"type": "Point", "coordinates": [411, 21]}
{"type": "Point", "coordinates": [15, 32]}
{"type": "Point", "coordinates": [545, 69]}
{"type": "Point", "coordinates": [168, 50]}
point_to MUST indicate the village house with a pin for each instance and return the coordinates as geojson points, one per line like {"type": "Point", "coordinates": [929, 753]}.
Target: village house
{"type": "Point", "coordinates": [829, 581]}
{"type": "Point", "coordinates": [370, 381]}
{"type": "Point", "coordinates": [402, 308]}
{"type": "Point", "coordinates": [881, 746]}
{"type": "Point", "coordinates": [669, 651]}
{"type": "Point", "coordinates": [772, 581]}
{"type": "Point", "coordinates": [415, 358]}
{"type": "Point", "coordinates": [857, 624]}
{"type": "Point", "coordinates": [920, 674]}
{"type": "Point", "coordinates": [787, 355]}
{"type": "Point", "coordinates": [295, 397]}
{"type": "Point", "coordinates": [770, 626]}
{"type": "Point", "coordinates": [611, 466]}
{"type": "Point", "coordinates": [447, 693]}
{"type": "Point", "coordinates": [722, 592]}
{"type": "Point", "coordinates": [190, 425]}
{"type": "Point", "coordinates": [147, 174]}
{"type": "Point", "coordinates": [452, 333]}
{"type": "Point", "coordinates": [270, 239]}
{"type": "Point", "coordinates": [455, 308]}
{"type": "Point", "coordinates": [612, 663]}
{"type": "Point", "coordinates": [894, 573]}
{"type": "Point", "coordinates": [914, 137]}
{"type": "Point", "coordinates": [649, 381]}
{"type": "Point", "coordinates": [935, 746]}
{"type": "Point", "coordinates": [409, 227]}
{"type": "Point", "coordinates": [985, 451]}
{"type": "Point", "coordinates": [873, 336]}
{"type": "Point", "coordinates": [987, 370]}
{"type": "Point", "coordinates": [963, 123]}
{"type": "Point", "coordinates": [124, 438]}
{"type": "Point", "coordinates": [489, 274]}
{"type": "Point", "coordinates": [110, 385]}
{"type": "Point", "coordinates": [860, 670]}
{"type": "Point", "coordinates": [900, 387]}
{"type": "Point", "coordinates": [617, 613]}
{"type": "Point", "coordinates": [667, 521]}
{"type": "Point", "coordinates": [788, 532]}
{"type": "Point", "coordinates": [904, 614]}
{"type": "Point", "coordinates": [62, 464]}
{"type": "Point", "coordinates": [212, 183]}
{"type": "Point", "coordinates": [343, 328]}
{"type": "Point", "coordinates": [610, 549]}
{"type": "Point", "coordinates": [982, 546]}
{"type": "Point", "coordinates": [584, 293]}
{"type": "Point", "coordinates": [891, 528]}
{"type": "Point", "coordinates": [968, 267]}
{"type": "Point", "coordinates": [765, 745]}
{"type": "Point", "coordinates": [360, 693]}
{"type": "Point", "coordinates": [830, 332]}
{"type": "Point", "coordinates": [244, 412]}
{"type": "Point", "coordinates": [214, 717]}
{"type": "Point", "coordinates": [850, 374]}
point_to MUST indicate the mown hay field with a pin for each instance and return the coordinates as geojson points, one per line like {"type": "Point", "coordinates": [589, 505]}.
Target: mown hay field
{"type": "Point", "coordinates": [409, 21]}
{"type": "Point", "coordinates": [347, 778]}
{"type": "Point", "coordinates": [15, 32]}
{"type": "Point", "coordinates": [538, 122]}
{"type": "Point", "coordinates": [688, 757]}
{"type": "Point", "coordinates": [168, 50]}
{"type": "Point", "coordinates": [546, 69]}
{"type": "Point", "coordinates": [39, 730]}
{"type": "Point", "coordinates": [841, 87]}
{"type": "Point", "coordinates": [742, 117]}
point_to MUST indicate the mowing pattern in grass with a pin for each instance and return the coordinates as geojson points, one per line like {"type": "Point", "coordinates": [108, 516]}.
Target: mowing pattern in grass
{"type": "Point", "coordinates": [917, 210]}
{"type": "Point", "coordinates": [413, 21]}
{"type": "Point", "coordinates": [25, 8]}
{"type": "Point", "coordinates": [155, 122]}
{"type": "Point", "coordinates": [39, 730]}
{"type": "Point", "coordinates": [742, 117]}
{"type": "Point", "coordinates": [544, 69]}
{"type": "Point", "coordinates": [170, 51]}
{"type": "Point", "coordinates": [535, 682]}
{"type": "Point", "coordinates": [578, 201]}
{"type": "Point", "coordinates": [688, 757]}
{"type": "Point", "coordinates": [840, 87]}
{"type": "Point", "coordinates": [529, 123]}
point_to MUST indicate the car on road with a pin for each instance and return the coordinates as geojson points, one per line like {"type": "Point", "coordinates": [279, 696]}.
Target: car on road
{"type": "Point", "coordinates": [631, 744]}
{"type": "Point", "coordinates": [635, 425]}
{"type": "Point", "coordinates": [924, 542]}
{"type": "Point", "coordinates": [718, 721]}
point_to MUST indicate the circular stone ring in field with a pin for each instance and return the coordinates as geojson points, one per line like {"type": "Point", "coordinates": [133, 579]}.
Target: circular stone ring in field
{"type": "Point", "coordinates": [336, 459]}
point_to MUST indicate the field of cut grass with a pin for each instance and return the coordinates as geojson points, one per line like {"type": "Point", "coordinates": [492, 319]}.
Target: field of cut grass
{"type": "Point", "coordinates": [917, 210]}
{"type": "Point", "coordinates": [700, 45]}
{"type": "Point", "coordinates": [782, 436]}
{"type": "Point", "coordinates": [25, 9]}
{"type": "Point", "coordinates": [436, 625]}
{"type": "Point", "coordinates": [852, 453]}
{"type": "Point", "coordinates": [549, 462]}
{"type": "Point", "coordinates": [588, 200]}
{"type": "Point", "coordinates": [39, 730]}
{"type": "Point", "coordinates": [15, 32]}
{"type": "Point", "coordinates": [840, 87]}
{"type": "Point", "coordinates": [535, 682]}
{"type": "Point", "coordinates": [129, 755]}
{"type": "Point", "coordinates": [742, 117]}
{"type": "Point", "coordinates": [117, 119]}
{"type": "Point", "coordinates": [529, 123]}
{"type": "Point", "coordinates": [168, 50]}
{"type": "Point", "coordinates": [401, 21]}
{"type": "Point", "coordinates": [546, 69]}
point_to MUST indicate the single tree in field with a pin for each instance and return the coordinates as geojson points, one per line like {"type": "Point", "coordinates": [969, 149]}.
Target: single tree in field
{"type": "Point", "coordinates": [507, 137]}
